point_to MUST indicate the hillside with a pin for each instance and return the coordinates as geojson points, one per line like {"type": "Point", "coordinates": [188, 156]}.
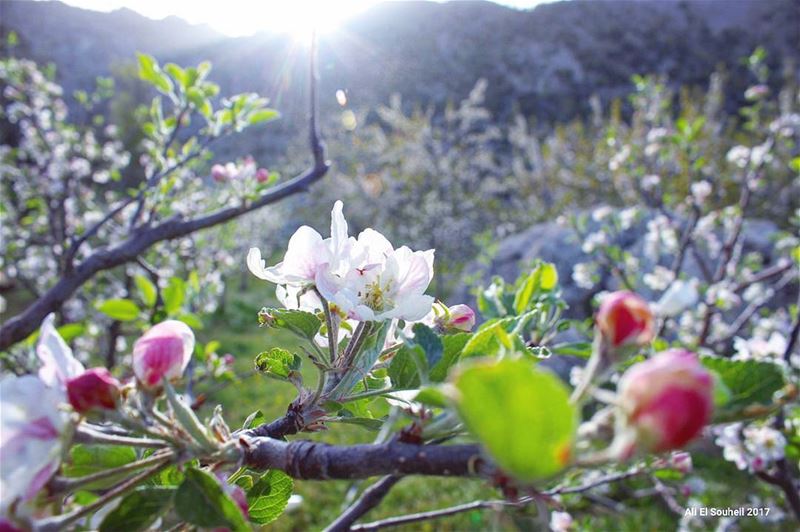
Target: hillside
{"type": "Point", "coordinates": [547, 60]}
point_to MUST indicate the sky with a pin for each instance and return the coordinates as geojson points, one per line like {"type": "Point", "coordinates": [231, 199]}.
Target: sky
{"type": "Point", "coordinates": [245, 17]}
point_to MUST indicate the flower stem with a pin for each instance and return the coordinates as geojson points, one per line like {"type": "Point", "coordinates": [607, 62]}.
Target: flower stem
{"type": "Point", "coordinates": [62, 484]}
{"type": "Point", "coordinates": [88, 436]}
{"type": "Point", "coordinates": [333, 333]}
{"type": "Point", "coordinates": [62, 522]}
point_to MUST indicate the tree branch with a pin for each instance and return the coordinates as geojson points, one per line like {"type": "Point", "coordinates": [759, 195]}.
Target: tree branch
{"type": "Point", "coordinates": [371, 497]}
{"type": "Point", "coordinates": [23, 324]}
{"type": "Point", "coordinates": [305, 459]}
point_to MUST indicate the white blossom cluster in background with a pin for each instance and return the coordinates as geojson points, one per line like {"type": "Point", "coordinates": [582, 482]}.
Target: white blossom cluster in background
{"type": "Point", "coordinates": [71, 187]}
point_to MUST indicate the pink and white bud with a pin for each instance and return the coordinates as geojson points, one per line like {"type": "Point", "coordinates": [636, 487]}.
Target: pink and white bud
{"type": "Point", "coordinates": [460, 317]}
{"type": "Point", "coordinates": [666, 400]}
{"type": "Point", "coordinates": [163, 352]}
{"type": "Point", "coordinates": [625, 319]}
{"type": "Point", "coordinates": [219, 173]}
{"type": "Point", "coordinates": [236, 493]}
{"type": "Point", "coordinates": [262, 175]}
{"type": "Point", "coordinates": [95, 388]}
{"type": "Point", "coordinates": [681, 461]}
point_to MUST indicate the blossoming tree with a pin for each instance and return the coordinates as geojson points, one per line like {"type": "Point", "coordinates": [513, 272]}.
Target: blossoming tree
{"type": "Point", "coordinates": [132, 454]}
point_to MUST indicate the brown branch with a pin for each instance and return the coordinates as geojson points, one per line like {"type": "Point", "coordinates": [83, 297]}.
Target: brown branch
{"type": "Point", "coordinates": [305, 459]}
{"type": "Point", "coordinates": [105, 258]}
{"type": "Point", "coordinates": [371, 497]}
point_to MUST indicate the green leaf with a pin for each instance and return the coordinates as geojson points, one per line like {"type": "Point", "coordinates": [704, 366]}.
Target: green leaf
{"type": "Point", "coordinates": [88, 459]}
{"type": "Point", "coordinates": [150, 72]}
{"type": "Point", "coordinates": [750, 385]}
{"type": "Point", "coordinates": [430, 343]}
{"type": "Point", "coordinates": [138, 510]}
{"type": "Point", "coordinates": [201, 501]}
{"type": "Point", "coordinates": [488, 342]}
{"type": "Point", "coordinates": [268, 496]}
{"type": "Point", "coordinates": [191, 319]}
{"type": "Point", "coordinates": [431, 397]}
{"type": "Point", "coordinates": [362, 362]}
{"type": "Point", "coordinates": [575, 349]}
{"type": "Point", "coordinates": [544, 277]}
{"type": "Point", "coordinates": [196, 96]}
{"type": "Point", "coordinates": [254, 420]}
{"type": "Point", "coordinates": [278, 363]}
{"type": "Point", "coordinates": [173, 295]}
{"type": "Point", "coordinates": [146, 288]}
{"type": "Point", "coordinates": [303, 324]}
{"type": "Point", "coordinates": [365, 422]}
{"type": "Point", "coordinates": [71, 331]}
{"type": "Point", "coordinates": [264, 115]}
{"type": "Point", "coordinates": [404, 370]}
{"type": "Point", "coordinates": [521, 414]}
{"type": "Point", "coordinates": [176, 72]}
{"type": "Point", "coordinates": [453, 345]}
{"type": "Point", "coordinates": [119, 309]}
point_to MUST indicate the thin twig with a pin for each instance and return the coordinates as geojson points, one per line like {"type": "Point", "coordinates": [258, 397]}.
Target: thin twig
{"type": "Point", "coordinates": [371, 497]}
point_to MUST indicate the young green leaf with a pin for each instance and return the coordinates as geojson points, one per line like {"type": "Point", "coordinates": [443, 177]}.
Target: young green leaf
{"type": "Point", "coordinates": [268, 496]}
{"type": "Point", "coordinates": [88, 459]}
{"type": "Point", "coordinates": [277, 363]}
{"type": "Point", "coordinates": [173, 295]}
{"type": "Point", "coordinates": [119, 309]}
{"type": "Point", "coordinates": [138, 510]}
{"type": "Point", "coordinates": [521, 414]}
{"type": "Point", "coordinates": [201, 501]}
{"type": "Point", "coordinates": [146, 288]}
{"type": "Point", "coordinates": [750, 385]}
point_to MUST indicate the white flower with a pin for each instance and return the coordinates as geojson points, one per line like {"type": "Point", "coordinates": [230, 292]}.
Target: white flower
{"type": "Point", "coordinates": [308, 255]}
{"type": "Point", "coordinates": [680, 296]}
{"type": "Point", "coordinates": [31, 426]}
{"type": "Point", "coordinates": [764, 442]}
{"type": "Point", "coordinates": [659, 279]}
{"type": "Point", "coordinates": [58, 362]}
{"type": "Point", "coordinates": [582, 274]}
{"type": "Point", "coordinates": [739, 155]}
{"type": "Point", "coordinates": [700, 191]}
{"type": "Point", "coordinates": [560, 522]}
{"type": "Point", "coordinates": [760, 348]}
{"type": "Point", "coordinates": [650, 182]}
{"type": "Point", "coordinates": [593, 241]}
{"type": "Point", "coordinates": [389, 283]}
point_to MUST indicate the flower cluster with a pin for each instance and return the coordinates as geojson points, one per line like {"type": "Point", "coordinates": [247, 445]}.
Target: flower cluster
{"type": "Point", "coordinates": [365, 277]}
{"type": "Point", "coordinates": [40, 412]}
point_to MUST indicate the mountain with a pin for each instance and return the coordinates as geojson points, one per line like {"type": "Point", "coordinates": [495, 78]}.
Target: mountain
{"type": "Point", "coordinates": [547, 60]}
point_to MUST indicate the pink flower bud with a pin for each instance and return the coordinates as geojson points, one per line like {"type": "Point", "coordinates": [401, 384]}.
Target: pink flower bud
{"type": "Point", "coordinates": [682, 462]}
{"type": "Point", "coordinates": [262, 175]}
{"type": "Point", "coordinates": [461, 317]}
{"type": "Point", "coordinates": [625, 319]}
{"type": "Point", "coordinates": [163, 352]}
{"type": "Point", "coordinates": [666, 400]}
{"type": "Point", "coordinates": [94, 388]}
{"type": "Point", "coordinates": [219, 173]}
{"type": "Point", "coordinates": [228, 359]}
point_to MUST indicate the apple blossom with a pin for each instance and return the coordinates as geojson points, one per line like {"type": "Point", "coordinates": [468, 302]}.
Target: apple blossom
{"type": "Point", "coordinates": [680, 296]}
{"type": "Point", "coordinates": [162, 352]}
{"type": "Point", "coordinates": [389, 284]}
{"type": "Point", "coordinates": [308, 255]}
{"type": "Point", "coordinates": [625, 319]}
{"type": "Point", "coordinates": [58, 362]}
{"type": "Point", "coordinates": [94, 388]}
{"type": "Point", "coordinates": [666, 400]}
{"type": "Point", "coordinates": [31, 429]}
{"type": "Point", "coordinates": [220, 173]}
